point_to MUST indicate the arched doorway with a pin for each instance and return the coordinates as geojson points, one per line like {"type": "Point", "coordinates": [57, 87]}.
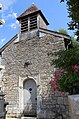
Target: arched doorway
{"type": "Point", "coordinates": [30, 97]}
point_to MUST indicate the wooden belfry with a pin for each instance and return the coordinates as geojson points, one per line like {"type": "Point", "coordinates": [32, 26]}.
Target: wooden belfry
{"type": "Point", "coordinates": [32, 19]}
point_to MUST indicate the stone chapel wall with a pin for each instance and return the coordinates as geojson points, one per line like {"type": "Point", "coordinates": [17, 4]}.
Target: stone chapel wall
{"type": "Point", "coordinates": [34, 51]}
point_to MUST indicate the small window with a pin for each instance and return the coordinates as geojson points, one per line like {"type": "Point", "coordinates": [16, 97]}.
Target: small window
{"type": "Point", "coordinates": [30, 90]}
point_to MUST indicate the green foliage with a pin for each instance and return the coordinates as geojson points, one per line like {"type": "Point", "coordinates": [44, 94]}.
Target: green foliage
{"type": "Point", "coordinates": [63, 31]}
{"type": "Point", "coordinates": [67, 58]}
{"type": "Point", "coordinates": [69, 82]}
{"type": "Point", "coordinates": [68, 62]}
{"type": "Point", "coordinates": [73, 10]}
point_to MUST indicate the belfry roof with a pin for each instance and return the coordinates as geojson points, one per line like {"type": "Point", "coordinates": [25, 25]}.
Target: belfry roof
{"type": "Point", "coordinates": [32, 10]}
{"type": "Point", "coordinates": [28, 11]}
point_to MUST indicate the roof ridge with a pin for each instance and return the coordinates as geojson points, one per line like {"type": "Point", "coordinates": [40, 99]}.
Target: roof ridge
{"type": "Point", "coordinates": [31, 9]}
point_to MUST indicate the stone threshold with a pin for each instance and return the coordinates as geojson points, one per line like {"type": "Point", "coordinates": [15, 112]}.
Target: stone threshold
{"type": "Point", "coordinates": [28, 118]}
{"type": "Point", "coordinates": [22, 118]}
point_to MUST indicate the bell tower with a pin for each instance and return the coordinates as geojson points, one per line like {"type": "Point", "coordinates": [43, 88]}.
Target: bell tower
{"type": "Point", "coordinates": [30, 21]}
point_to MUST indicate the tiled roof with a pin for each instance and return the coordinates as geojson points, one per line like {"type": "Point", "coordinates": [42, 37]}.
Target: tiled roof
{"type": "Point", "coordinates": [30, 10]}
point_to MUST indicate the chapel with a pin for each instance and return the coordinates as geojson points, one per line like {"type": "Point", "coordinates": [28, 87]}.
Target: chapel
{"type": "Point", "coordinates": [25, 69]}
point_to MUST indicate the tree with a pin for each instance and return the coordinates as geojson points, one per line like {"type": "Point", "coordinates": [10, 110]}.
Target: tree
{"type": "Point", "coordinates": [63, 31]}
{"type": "Point", "coordinates": [73, 10]}
{"type": "Point", "coordinates": [67, 63]}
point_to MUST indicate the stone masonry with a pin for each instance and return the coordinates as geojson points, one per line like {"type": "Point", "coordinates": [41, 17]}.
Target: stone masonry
{"type": "Point", "coordinates": [35, 51]}
{"type": "Point", "coordinates": [27, 70]}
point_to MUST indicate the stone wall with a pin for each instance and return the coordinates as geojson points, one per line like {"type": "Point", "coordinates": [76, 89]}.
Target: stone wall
{"type": "Point", "coordinates": [35, 52]}
{"type": "Point", "coordinates": [74, 106]}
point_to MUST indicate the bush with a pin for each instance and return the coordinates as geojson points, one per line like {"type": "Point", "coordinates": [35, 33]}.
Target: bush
{"type": "Point", "coordinates": [67, 77]}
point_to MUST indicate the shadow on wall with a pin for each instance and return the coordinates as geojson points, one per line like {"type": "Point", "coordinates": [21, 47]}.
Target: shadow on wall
{"type": "Point", "coordinates": [30, 110]}
{"type": "Point", "coordinates": [54, 106]}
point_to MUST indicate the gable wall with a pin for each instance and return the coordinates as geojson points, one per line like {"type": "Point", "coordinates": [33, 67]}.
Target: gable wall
{"type": "Point", "coordinates": [34, 51]}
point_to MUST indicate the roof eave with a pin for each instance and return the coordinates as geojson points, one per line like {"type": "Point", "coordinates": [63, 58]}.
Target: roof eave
{"type": "Point", "coordinates": [8, 43]}
{"type": "Point", "coordinates": [35, 12]}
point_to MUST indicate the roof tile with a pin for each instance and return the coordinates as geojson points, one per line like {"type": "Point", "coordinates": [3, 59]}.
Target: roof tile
{"type": "Point", "coordinates": [30, 10]}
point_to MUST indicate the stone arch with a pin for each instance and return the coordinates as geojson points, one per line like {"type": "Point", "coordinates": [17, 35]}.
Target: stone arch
{"type": "Point", "coordinates": [36, 79]}
{"type": "Point", "coordinates": [29, 96]}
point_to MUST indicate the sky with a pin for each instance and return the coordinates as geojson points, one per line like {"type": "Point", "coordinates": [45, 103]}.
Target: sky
{"type": "Point", "coordinates": [54, 11]}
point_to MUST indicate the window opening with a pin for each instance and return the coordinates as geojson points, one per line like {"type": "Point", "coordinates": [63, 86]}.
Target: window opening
{"type": "Point", "coordinates": [32, 24]}
{"type": "Point", "coordinates": [24, 24]}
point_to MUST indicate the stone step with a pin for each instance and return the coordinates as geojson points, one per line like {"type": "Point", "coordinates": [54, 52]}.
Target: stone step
{"type": "Point", "coordinates": [28, 118]}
